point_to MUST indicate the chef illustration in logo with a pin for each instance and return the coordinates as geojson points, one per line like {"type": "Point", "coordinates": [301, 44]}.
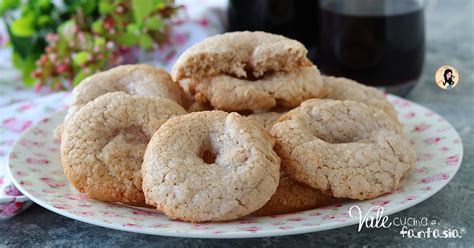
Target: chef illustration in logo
{"type": "Point", "coordinates": [447, 77]}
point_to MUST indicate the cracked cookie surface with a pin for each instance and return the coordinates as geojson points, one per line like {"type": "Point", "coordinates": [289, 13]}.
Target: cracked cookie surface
{"type": "Point", "coordinates": [143, 80]}
{"type": "Point", "coordinates": [209, 166]}
{"type": "Point", "coordinates": [237, 53]}
{"type": "Point", "coordinates": [343, 148]}
{"type": "Point", "coordinates": [102, 146]}
{"type": "Point", "coordinates": [339, 88]}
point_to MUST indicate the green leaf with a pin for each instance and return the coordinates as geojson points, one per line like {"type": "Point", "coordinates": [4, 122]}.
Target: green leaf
{"type": "Point", "coordinates": [87, 6]}
{"type": "Point", "coordinates": [145, 41]}
{"type": "Point", "coordinates": [23, 27]}
{"type": "Point", "coordinates": [154, 23]}
{"type": "Point", "coordinates": [98, 26]}
{"type": "Point", "coordinates": [133, 28]}
{"type": "Point", "coordinates": [78, 78]}
{"type": "Point", "coordinates": [141, 9]}
{"type": "Point", "coordinates": [127, 39]}
{"type": "Point", "coordinates": [99, 42]}
{"type": "Point", "coordinates": [17, 60]}
{"type": "Point", "coordinates": [27, 66]}
{"type": "Point", "coordinates": [81, 58]}
{"type": "Point", "coordinates": [6, 5]}
{"type": "Point", "coordinates": [105, 7]}
{"type": "Point", "coordinates": [43, 20]}
{"type": "Point", "coordinates": [44, 4]}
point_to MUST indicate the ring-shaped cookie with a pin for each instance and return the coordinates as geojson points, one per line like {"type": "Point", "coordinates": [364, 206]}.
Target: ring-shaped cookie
{"type": "Point", "coordinates": [340, 88]}
{"type": "Point", "coordinates": [343, 148]}
{"type": "Point", "coordinates": [102, 146]}
{"type": "Point", "coordinates": [140, 79]}
{"type": "Point", "coordinates": [238, 53]}
{"type": "Point", "coordinates": [209, 166]}
{"type": "Point", "coordinates": [287, 89]}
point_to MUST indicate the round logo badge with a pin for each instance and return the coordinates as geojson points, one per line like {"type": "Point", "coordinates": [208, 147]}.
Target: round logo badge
{"type": "Point", "coordinates": [447, 77]}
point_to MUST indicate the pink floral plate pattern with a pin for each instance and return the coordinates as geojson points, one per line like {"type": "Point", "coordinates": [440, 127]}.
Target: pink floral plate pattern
{"type": "Point", "coordinates": [34, 165]}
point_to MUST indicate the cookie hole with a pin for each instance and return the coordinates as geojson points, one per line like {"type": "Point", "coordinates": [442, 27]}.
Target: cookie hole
{"type": "Point", "coordinates": [135, 134]}
{"type": "Point", "coordinates": [208, 156]}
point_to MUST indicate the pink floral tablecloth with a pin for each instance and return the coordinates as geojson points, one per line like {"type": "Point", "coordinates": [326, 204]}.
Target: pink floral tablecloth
{"type": "Point", "coordinates": [22, 107]}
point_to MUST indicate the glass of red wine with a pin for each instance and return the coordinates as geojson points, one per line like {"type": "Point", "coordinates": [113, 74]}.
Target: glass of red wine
{"type": "Point", "coordinates": [376, 42]}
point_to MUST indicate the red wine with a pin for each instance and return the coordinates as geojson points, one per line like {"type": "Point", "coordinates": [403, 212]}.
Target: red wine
{"type": "Point", "coordinates": [295, 19]}
{"type": "Point", "coordinates": [375, 50]}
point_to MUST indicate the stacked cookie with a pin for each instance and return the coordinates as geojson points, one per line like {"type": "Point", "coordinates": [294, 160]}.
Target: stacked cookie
{"type": "Point", "coordinates": [267, 134]}
{"type": "Point", "coordinates": [249, 71]}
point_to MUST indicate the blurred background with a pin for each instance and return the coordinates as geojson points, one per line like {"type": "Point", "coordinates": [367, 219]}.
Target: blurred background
{"type": "Point", "coordinates": [53, 45]}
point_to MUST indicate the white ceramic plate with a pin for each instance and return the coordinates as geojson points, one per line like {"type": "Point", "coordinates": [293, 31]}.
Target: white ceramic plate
{"type": "Point", "coordinates": [34, 165]}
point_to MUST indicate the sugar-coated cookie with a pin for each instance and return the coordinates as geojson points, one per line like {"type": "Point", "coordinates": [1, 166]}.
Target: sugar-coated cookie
{"type": "Point", "coordinates": [209, 166]}
{"type": "Point", "coordinates": [339, 88]}
{"type": "Point", "coordinates": [343, 148]}
{"type": "Point", "coordinates": [238, 53]}
{"type": "Point", "coordinates": [286, 89]}
{"type": "Point", "coordinates": [102, 145]}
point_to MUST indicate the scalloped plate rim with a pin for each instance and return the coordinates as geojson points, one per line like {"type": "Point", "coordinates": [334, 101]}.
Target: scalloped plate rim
{"type": "Point", "coordinates": [226, 235]}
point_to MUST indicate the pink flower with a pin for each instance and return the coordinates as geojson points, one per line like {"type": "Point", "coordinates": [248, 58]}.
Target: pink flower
{"type": "Point", "coordinates": [437, 177]}
{"type": "Point", "coordinates": [22, 173]}
{"type": "Point", "coordinates": [429, 113]}
{"type": "Point", "coordinates": [16, 125]}
{"type": "Point", "coordinates": [170, 56]}
{"type": "Point", "coordinates": [433, 140]}
{"type": "Point", "coordinates": [143, 213]}
{"type": "Point", "coordinates": [427, 188]}
{"type": "Point", "coordinates": [204, 22]}
{"type": "Point", "coordinates": [85, 213]}
{"type": "Point", "coordinates": [10, 209]}
{"type": "Point", "coordinates": [381, 203]}
{"type": "Point", "coordinates": [421, 127]}
{"type": "Point", "coordinates": [444, 149]}
{"type": "Point", "coordinates": [409, 115]}
{"type": "Point", "coordinates": [52, 183]}
{"type": "Point", "coordinates": [36, 161]}
{"type": "Point", "coordinates": [25, 107]}
{"type": "Point", "coordinates": [25, 183]}
{"type": "Point", "coordinates": [452, 160]}
{"type": "Point", "coordinates": [252, 229]}
{"type": "Point", "coordinates": [12, 191]}
{"type": "Point", "coordinates": [410, 198]}
{"type": "Point", "coordinates": [420, 170]}
{"type": "Point", "coordinates": [425, 157]}
{"type": "Point", "coordinates": [180, 38]}
{"type": "Point", "coordinates": [62, 206]}
{"type": "Point", "coordinates": [296, 219]}
{"type": "Point", "coordinates": [30, 143]}
{"type": "Point", "coordinates": [132, 225]}
{"type": "Point", "coordinates": [72, 197]}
